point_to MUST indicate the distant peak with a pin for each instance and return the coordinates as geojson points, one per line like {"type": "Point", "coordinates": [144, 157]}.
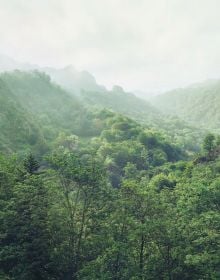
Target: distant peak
{"type": "Point", "coordinates": [117, 88]}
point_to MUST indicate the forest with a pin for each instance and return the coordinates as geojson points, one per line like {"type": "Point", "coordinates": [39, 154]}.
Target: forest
{"type": "Point", "coordinates": [100, 184]}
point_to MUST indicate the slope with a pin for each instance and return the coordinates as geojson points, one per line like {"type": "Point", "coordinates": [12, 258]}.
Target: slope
{"type": "Point", "coordinates": [198, 104]}
{"type": "Point", "coordinates": [123, 102]}
{"type": "Point", "coordinates": [53, 108]}
{"type": "Point", "coordinates": [17, 126]}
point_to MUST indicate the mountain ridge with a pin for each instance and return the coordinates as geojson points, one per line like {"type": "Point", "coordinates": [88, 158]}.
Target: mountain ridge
{"type": "Point", "coordinates": [197, 104]}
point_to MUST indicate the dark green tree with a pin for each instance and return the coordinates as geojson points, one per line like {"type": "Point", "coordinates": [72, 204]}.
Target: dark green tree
{"type": "Point", "coordinates": [31, 165]}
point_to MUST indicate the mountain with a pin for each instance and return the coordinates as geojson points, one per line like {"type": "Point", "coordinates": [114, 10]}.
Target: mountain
{"type": "Point", "coordinates": [84, 85]}
{"type": "Point", "coordinates": [79, 90]}
{"type": "Point", "coordinates": [72, 80]}
{"type": "Point", "coordinates": [198, 104]}
{"type": "Point", "coordinates": [68, 77]}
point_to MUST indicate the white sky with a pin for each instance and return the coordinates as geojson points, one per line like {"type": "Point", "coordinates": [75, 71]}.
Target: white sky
{"type": "Point", "coordinates": [151, 45]}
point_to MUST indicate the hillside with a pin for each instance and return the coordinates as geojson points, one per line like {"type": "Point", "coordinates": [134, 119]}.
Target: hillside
{"type": "Point", "coordinates": [180, 132]}
{"type": "Point", "coordinates": [18, 127]}
{"type": "Point", "coordinates": [122, 102]}
{"type": "Point", "coordinates": [53, 108]}
{"type": "Point", "coordinates": [198, 104]}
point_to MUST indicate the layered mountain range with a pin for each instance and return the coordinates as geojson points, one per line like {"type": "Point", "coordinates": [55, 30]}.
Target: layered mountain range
{"type": "Point", "coordinates": [51, 100]}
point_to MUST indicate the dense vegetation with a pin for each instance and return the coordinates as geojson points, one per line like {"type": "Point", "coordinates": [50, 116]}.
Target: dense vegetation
{"type": "Point", "coordinates": [92, 193]}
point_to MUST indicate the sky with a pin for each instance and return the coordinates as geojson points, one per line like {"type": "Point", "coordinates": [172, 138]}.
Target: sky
{"type": "Point", "coordinates": [147, 45]}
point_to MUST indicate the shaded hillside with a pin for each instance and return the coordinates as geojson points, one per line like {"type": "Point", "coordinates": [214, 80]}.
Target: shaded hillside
{"type": "Point", "coordinates": [18, 127]}
{"type": "Point", "coordinates": [198, 104]}
{"type": "Point", "coordinates": [53, 108]}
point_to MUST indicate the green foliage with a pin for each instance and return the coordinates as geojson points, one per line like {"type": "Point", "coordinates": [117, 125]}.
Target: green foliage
{"type": "Point", "coordinates": [25, 237]}
{"type": "Point", "coordinates": [69, 223]}
{"type": "Point", "coordinates": [31, 165]}
{"type": "Point", "coordinates": [208, 143]}
{"type": "Point", "coordinates": [53, 108]}
{"type": "Point", "coordinates": [126, 142]}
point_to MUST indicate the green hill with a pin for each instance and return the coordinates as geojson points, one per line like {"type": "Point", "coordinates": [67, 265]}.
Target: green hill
{"type": "Point", "coordinates": [52, 107]}
{"type": "Point", "coordinates": [198, 104]}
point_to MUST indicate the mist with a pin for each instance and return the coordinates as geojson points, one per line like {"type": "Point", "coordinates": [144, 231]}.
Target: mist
{"type": "Point", "coordinates": [151, 46]}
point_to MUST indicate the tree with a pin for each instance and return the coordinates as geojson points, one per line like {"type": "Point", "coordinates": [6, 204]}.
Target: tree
{"type": "Point", "coordinates": [209, 142]}
{"type": "Point", "coordinates": [82, 183]}
{"type": "Point", "coordinates": [25, 240]}
{"type": "Point", "coordinates": [31, 165]}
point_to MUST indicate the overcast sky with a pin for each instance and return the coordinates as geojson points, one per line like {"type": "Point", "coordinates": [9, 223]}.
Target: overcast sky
{"type": "Point", "coordinates": [151, 45]}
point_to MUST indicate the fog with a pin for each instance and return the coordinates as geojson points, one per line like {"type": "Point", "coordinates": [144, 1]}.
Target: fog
{"type": "Point", "coordinates": [140, 45]}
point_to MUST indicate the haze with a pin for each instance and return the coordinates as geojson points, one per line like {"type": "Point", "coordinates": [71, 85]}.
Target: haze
{"type": "Point", "coordinates": [146, 45]}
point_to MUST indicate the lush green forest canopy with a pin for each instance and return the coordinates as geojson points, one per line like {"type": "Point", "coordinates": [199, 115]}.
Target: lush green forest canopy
{"type": "Point", "coordinates": [98, 184]}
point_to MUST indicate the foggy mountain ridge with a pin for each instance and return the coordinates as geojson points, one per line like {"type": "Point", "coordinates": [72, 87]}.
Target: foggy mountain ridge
{"type": "Point", "coordinates": [186, 103]}
{"type": "Point", "coordinates": [76, 81]}
{"type": "Point", "coordinates": [72, 80]}
{"type": "Point", "coordinates": [84, 85]}
{"type": "Point", "coordinates": [67, 77]}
